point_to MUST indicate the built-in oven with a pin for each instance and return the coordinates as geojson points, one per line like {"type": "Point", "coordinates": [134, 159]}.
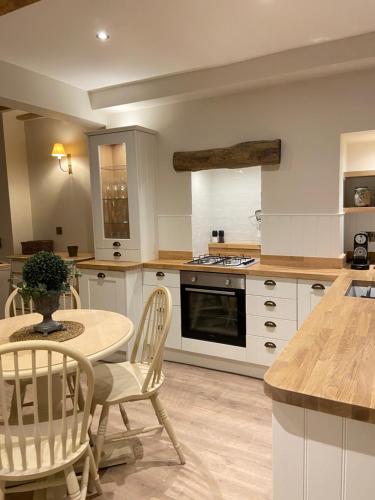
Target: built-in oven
{"type": "Point", "coordinates": [213, 307]}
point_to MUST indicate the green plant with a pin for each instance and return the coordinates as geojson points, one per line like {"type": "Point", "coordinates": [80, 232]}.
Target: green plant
{"type": "Point", "coordinates": [43, 273]}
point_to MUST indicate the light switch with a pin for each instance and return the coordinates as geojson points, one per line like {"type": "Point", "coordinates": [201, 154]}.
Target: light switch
{"type": "Point", "coordinates": [59, 230]}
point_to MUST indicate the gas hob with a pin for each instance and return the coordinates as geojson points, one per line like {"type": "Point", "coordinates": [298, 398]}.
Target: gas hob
{"type": "Point", "coordinates": [224, 261]}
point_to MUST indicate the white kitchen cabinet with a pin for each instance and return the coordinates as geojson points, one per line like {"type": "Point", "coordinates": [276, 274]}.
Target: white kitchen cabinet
{"type": "Point", "coordinates": [102, 289]}
{"type": "Point", "coordinates": [271, 307]}
{"type": "Point", "coordinates": [123, 166]}
{"type": "Point", "coordinates": [171, 280]}
{"type": "Point", "coordinates": [262, 350]}
{"type": "Point", "coordinates": [271, 287]}
{"type": "Point", "coordinates": [309, 294]}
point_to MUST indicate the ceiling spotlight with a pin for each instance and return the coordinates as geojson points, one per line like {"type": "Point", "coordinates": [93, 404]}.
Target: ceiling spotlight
{"type": "Point", "coordinates": [102, 35]}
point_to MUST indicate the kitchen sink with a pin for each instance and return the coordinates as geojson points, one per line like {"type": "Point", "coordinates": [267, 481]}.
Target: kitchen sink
{"type": "Point", "coordinates": [361, 289]}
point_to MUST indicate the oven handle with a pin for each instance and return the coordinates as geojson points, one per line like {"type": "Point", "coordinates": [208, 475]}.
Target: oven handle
{"type": "Point", "coordinates": [216, 292]}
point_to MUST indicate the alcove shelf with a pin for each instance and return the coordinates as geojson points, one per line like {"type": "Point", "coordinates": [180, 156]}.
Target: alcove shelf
{"type": "Point", "coordinates": [359, 173]}
{"type": "Point", "coordinates": [358, 210]}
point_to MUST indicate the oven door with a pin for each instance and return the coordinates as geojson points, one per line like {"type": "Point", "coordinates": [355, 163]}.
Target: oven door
{"type": "Point", "coordinates": [213, 314]}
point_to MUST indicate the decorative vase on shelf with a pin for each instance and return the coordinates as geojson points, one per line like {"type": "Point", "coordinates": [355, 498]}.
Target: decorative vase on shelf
{"type": "Point", "coordinates": [362, 197]}
{"type": "Point", "coordinates": [46, 305]}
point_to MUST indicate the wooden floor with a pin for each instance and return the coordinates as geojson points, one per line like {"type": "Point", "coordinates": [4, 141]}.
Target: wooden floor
{"type": "Point", "coordinates": [224, 424]}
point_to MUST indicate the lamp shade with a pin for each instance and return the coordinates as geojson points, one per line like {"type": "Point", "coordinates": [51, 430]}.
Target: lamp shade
{"type": "Point", "coordinates": [58, 150]}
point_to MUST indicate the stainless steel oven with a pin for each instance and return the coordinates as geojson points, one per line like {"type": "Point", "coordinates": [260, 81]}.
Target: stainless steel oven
{"type": "Point", "coordinates": [213, 307]}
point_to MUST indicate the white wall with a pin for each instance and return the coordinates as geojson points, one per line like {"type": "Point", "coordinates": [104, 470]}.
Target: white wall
{"type": "Point", "coordinates": [301, 199]}
{"type": "Point", "coordinates": [18, 179]}
{"type": "Point", "coordinates": [59, 199]}
{"type": "Point", "coordinates": [225, 199]}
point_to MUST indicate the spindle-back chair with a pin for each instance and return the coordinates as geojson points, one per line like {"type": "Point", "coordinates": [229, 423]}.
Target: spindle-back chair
{"type": "Point", "coordinates": [141, 377]}
{"type": "Point", "coordinates": [37, 444]}
{"type": "Point", "coordinates": [16, 304]}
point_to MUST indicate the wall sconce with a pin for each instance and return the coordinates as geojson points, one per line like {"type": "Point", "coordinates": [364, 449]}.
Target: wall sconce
{"type": "Point", "coordinates": [58, 151]}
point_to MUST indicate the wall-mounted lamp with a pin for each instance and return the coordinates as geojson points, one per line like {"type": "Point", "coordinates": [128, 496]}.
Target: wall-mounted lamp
{"type": "Point", "coordinates": [58, 152]}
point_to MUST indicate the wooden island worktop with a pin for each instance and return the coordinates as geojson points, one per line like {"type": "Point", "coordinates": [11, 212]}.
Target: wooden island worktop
{"type": "Point", "coordinates": [329, 364]}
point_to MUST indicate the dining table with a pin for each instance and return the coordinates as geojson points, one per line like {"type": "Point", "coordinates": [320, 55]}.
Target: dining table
{"type": "Point", "coordinates": [104, 332]}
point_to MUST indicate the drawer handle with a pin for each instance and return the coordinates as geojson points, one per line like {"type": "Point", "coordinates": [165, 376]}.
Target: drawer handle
{"type": "Point", "coordinates": [116, 244]}
{"type": "Point", "coordinates": [270, 324]}
{"type": "Point", "coordinates": [270, 303]}
{"type": "Point", "coordinates": [270, 283]}
{"type": "Point", "coordinates": [101, 275]}
{"type": "Point", "coordinates": [318, 286]}
{"type": "Point", "coordinates": [116, 254]}
{"type": "Point", "coordinates": [270, 345]}
{"type": "Point", "coordinates": [160, 274]}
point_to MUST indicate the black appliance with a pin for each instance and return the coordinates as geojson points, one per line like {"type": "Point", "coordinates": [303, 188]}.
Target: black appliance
{"type": "Point", "coordinates": [213, 307]}
{"type": "Point", "coordinates": [360, 254]}
{"type": "Point", "coordinates": [223, 260]}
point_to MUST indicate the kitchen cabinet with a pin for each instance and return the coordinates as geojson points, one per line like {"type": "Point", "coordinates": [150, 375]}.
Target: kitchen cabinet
{"type": "Point", "coordinates": [123, 166]}
{"type": "Point", "coordinates": [310, 293]}
{"type": "Point", "coordinates": [116, 291]}
{"type": "Point", "coordinates": [171, 280]}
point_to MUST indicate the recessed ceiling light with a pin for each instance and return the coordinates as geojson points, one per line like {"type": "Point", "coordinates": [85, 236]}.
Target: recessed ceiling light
{"type": "Point", "coordinates": [102, 35]}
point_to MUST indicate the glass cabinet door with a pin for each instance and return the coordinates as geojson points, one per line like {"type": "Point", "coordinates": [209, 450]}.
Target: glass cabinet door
{"type": "Point", "coordinates": [114, 190]}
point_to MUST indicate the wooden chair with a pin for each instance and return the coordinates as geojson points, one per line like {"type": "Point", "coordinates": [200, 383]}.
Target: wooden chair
{"type": "Point", "coordinates": [16, 305]}
{"type": "Point", "coordinates": [39, 448]}
{"type": "Point", "coordinates": [140, 378]}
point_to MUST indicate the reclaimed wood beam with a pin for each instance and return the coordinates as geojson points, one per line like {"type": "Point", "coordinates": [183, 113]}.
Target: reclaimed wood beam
{"type": "Point", "coordinates": [7, 6]}
{"type": "Point", "coordinates": [245, 154]}
{"type": "Point", "coordinates": [28, 116]}
{"type": "Point", "coordinates": [4, 108]}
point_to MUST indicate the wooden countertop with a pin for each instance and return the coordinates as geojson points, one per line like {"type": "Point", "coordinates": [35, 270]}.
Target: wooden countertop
{"type": "Point", "coordinates": [329, 364]}
{"type": "Point", "coordinates": [255, 270]}
{"type": "Point", "coordinates": [109, 265]}
{"type": "Point", "coordinates": [64, 255]}
{"type": "Point", "coordinates": [4, 266]}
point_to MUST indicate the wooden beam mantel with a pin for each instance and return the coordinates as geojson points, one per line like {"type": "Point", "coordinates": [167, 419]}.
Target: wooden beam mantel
{"type": "Point", "coordinates": [7, 6]}
{"type": "Point", "coordinates": [245, 154]}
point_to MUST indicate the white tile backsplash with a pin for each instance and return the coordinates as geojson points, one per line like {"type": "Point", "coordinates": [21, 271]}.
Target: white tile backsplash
{"type": "Point", "coordinates": [225, 199]}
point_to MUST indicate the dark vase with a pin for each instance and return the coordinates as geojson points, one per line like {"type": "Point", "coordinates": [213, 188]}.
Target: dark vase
{"type": "Point", "coordinates": [46, 305]}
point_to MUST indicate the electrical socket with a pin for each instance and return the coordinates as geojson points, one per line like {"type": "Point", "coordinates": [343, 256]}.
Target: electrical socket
{"type": "Point", "coordinates": [59, 230]}
{"type": "Point", "coordinates": [371, 236]}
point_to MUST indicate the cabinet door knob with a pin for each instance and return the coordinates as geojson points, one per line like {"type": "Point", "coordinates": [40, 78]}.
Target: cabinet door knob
{"type": "Point", "coordinates": [160, 274]}
{"type": "Point", "coordinates": [318, 286]}
{"type": "Point", "coordinates": [101, 275]}
{"type": "Point", "coordinates": [270, 303]}
{"type": "Point", "coordinates": [116, 244]}
{"type": "Point", "coordinates": [271, 324]}
{"type": "Point", "coordinates": [116, 254]}
{"type": "Point", "coordinates": [270, 345]}
{"type": "Point", "coordinates": [270, 283]}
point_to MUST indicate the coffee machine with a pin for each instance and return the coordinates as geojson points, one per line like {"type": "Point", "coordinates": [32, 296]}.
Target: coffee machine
{"type": "Point", "coordinates": [360, 254]}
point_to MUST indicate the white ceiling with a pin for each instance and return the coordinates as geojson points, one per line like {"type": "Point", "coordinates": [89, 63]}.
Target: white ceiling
{"type": "Point", "coordinates": [157, 37]}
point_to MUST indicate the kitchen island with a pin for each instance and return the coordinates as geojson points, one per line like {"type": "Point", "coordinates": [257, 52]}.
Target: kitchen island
{"type": "Point", "coordinates": [323, 391]}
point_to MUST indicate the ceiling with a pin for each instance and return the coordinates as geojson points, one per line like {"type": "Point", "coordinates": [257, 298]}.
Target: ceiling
{"type": "Point", "coordinates": [150, 38]}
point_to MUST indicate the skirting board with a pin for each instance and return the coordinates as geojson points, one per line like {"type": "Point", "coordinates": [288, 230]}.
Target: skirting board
{"type": "Point", "coordinates": [223, 365]}
{"type": "Point", "coordinates": [311, 262]}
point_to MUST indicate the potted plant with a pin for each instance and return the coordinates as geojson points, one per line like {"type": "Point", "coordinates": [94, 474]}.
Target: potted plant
{"type": "Point", "coordinates": [45, 277]}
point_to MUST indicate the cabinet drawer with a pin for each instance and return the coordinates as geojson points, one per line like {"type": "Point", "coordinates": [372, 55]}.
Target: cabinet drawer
{"type": "Point", "coordinates": [310, 292]}
{"type": "Point", "coordinates": [175, 292]}
{"type": "Point", "coordinates": [164, 277]}
{"type": "Point", "coordinates": [103, 290]}
{"type": "Point", "coordinates": [271, 307]}
{"type": "Point", "coordinates": [275, 328]}
{"type": "Point", "coordinates": [174, 336]}
{"type": "Point", "coordinates": [124, 254]}
{"type": "Point", "coordinates": [258, 353]}
{"type": "Point", "coordinates": [271, 287]}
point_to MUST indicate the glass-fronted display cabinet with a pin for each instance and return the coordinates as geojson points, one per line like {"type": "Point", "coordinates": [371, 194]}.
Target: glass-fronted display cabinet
{"type": "Point", "coordinates": [123, 189]}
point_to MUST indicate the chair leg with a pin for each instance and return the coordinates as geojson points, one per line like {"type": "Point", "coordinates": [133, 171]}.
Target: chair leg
{"type": "Point", "coordinates": [94, 476]}
{"type": "Point", "coordinates": [156, 411]}
{"type": "Point", "coordinates": [72, 484]}
{"type": "Point", "coordinates": [124, 416]}
{"type": "Point", "coordinates": [100, 437]}
{"type": "Point", "coordinates": [2, 490]}
{"type": "Point", "coordinates": [162, 412]}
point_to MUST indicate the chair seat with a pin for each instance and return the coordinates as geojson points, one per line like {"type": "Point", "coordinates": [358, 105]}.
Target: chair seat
{"type": "Point", "coordinates": [30, 451]}
{"type": "Point", "coordinates": [118, 382]}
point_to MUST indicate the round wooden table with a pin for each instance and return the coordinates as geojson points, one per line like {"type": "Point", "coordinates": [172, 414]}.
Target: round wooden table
{"type": "Point", "coordinates": [105, 332]}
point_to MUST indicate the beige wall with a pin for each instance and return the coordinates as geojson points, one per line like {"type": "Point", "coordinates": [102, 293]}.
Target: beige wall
{"type": "Point", "coordinates": [18, 179]}
{"type": "Point", "coordinates": [59, 199]}
{"type": "Point", "coordinates": [6, 236]}
{"type": "Point", "coordinates": [301, 199]}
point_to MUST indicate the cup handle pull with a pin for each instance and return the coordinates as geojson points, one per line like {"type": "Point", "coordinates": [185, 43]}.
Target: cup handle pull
{"type": "Point", "coordinates": [270, 303]}
{"type": "Point", "coordinates": [160, 274]}
{"type": "Point", "coordinates": [271, 324]}
{"type": "Point", "coordinates": [270, 283]}
{"type": "Point", "coordinates": [101, 275]}
{"type": "Point", "coordinates": [318, 286]}
{"type": "Point", "coordinates": [270, 345]}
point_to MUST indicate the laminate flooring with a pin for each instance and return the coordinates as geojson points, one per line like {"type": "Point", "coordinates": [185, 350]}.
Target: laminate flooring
{"type": "Point", "coordinates": [224, 424]}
